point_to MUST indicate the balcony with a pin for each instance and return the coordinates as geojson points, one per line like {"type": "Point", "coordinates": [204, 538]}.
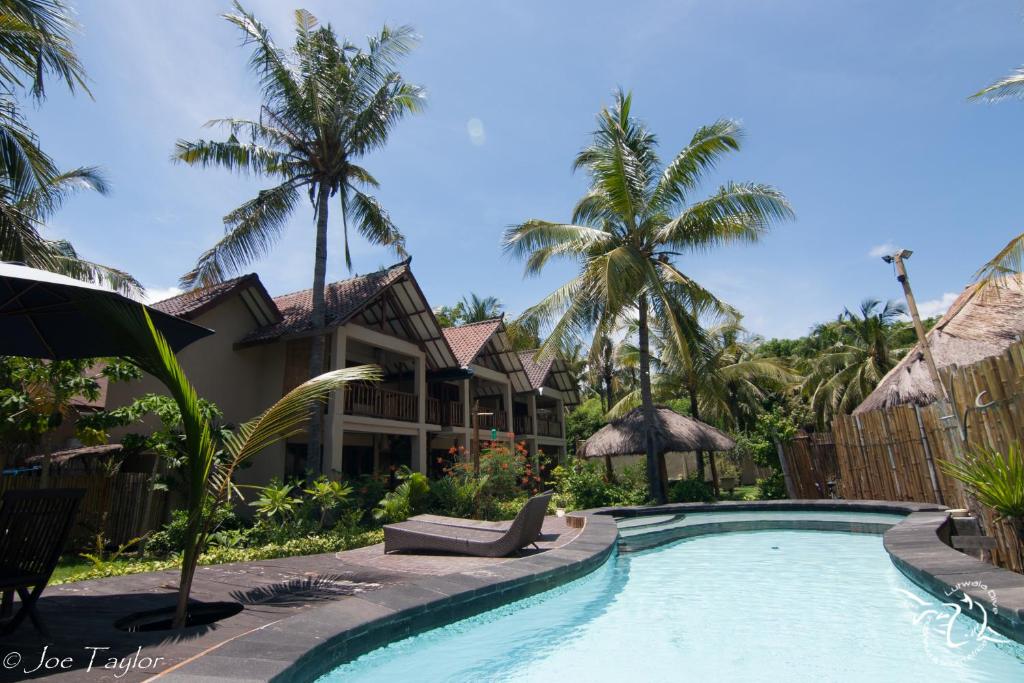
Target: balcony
{"type": "Point", "coordinates": [549, 427]}
{"type": "Point", "coordinates": [522, 424]}
{"type": "Point", "coordinates": [444, 413]}
{"type": "Point", "coordinates": [497, 421]}
{"type": "Point", "coordinates": [370, 401]}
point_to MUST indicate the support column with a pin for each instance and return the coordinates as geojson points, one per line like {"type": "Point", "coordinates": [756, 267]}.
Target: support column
{"type": "Point", "coordinates": [334, 431]}
{"type": "Point", "coordinates": [509, 410]}
{"type": "Point", "coordinates": [419, 451]}
{"type": "Point", "coordinates": [421, 389]}
{"type": "Point", "coordinates": [467, 412]}
{"type": "Point", "coordinates": [531, 406]}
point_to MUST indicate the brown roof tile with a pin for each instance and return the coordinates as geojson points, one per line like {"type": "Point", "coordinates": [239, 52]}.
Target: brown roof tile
{"type": "Point", "coordinates": [190, 304]}
{"type": "Point", "coordinates": [537, 372]}
{"type": "Point", "coordinates": [344, 299]}
{"type": "Point", "coordinates": [468, 340]}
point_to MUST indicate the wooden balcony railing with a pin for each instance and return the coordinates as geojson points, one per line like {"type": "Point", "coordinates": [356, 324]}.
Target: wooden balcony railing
{"type": "Point", "coordinates": [522, 424]}
{"type": "Point", "coordinates": [361, 399]}
{"type": "Point", "coordinates": [499, 421]}
{"type": "Point", "coordinates": [445, 413]}
{"type": "Point", "coordinates": [549, 427]}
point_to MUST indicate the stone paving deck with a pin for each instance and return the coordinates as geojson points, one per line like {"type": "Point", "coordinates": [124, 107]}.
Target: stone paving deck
{"type": "Point", "coordinates": [81, 615]}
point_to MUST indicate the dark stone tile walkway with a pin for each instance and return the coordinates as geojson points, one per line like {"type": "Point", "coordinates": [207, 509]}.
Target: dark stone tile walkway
{"type": "Point", "coordinates": [80, 616]}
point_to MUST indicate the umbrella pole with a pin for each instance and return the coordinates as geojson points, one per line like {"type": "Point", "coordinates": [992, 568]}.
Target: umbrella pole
{"type": "Point", "coordinates": [609, 472]}
{"type": "Point", "coordinates": [714, 473]}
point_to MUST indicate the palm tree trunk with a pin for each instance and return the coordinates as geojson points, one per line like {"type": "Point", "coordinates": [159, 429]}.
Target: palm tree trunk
{"type": "Point", "coordinates": [314, 454]}
{"type": "Point", "coordinates": [657, 486]}
{"type": "Point", "coordinates": [695, 414]}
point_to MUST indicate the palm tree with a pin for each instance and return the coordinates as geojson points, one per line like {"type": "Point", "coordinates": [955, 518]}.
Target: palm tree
{"type": "Point", "coordinates": [325, 105]}
{"type": "Point", "coordinates": [35, 42]}
{"type": "Point", "coordinates": [24, 209]}
{"type": "Point", "coordinates": [867, 347]}
{"type": "Point", "coordinates": [627, 231]}
{"type": "Point", "coordinates": [1010, 258]}
{"type": "Point", "coordinates": [476, 309]}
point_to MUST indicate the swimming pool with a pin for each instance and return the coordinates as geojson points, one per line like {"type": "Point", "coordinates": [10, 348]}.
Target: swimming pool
{"type": "Point", "coordinates": [761, 605]}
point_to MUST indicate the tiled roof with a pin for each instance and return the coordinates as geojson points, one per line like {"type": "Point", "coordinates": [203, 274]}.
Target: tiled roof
{"type": "Point", "coordinates": [344, 299]}
{"type": "Point", "coordinates": [537, 372]}
{"type": "Point", "coordinates": [468, 340]}
{"type": "Point", "coordinates": [190, 304]}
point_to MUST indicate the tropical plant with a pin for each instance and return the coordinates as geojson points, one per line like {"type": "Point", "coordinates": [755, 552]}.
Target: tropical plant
{"type": "Point", "coordinates": [867, 347]}
{"type": "Point", "coordinates": [627, 231]}
{"type": "Point", "coordinates": [276, 502]}
{"type": "Point", "coordinates": [327, 496]}
{"type": "Point", "coordinates": [691, 490]}
{"type": "Point", "coordinates": [995, 479]}
{"type": "Point", "coordinates": [476, 309]}
{"type": "Point", "coordinates": [457, 495]}
{"type": "Point", "coordinates": [209, 477]}
{"type": "Point", "coordinates": [326, 104]}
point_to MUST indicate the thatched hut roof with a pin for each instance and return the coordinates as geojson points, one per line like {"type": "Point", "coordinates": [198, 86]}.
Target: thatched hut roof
{"type": "Point", "coordinates": [676, 433]}
{"type": "Point", "coordinates": [979, 324]}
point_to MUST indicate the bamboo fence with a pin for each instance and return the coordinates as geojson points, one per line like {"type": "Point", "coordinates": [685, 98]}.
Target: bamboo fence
{"type": "Point", "coordinates": [894, 453]}
{"type": "Point", "coordinates": [123, 505]}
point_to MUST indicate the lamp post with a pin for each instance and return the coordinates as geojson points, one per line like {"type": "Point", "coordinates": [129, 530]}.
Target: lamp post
{"type": "Point", "coordinates": [475, 444]}
{"type": "Point", "coordinates": [897, 260]}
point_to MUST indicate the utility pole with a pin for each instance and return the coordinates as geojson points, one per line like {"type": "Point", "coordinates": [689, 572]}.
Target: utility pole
{"type": "Point", "coordinates": [897, 260]}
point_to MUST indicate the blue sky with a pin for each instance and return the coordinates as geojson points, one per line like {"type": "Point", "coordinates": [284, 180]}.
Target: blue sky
{"type": "Point", "coordinates": [857, 111]}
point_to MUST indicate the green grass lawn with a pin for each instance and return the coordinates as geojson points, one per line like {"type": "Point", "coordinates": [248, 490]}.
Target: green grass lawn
{"type": "Point", "coordinates": [743, 493]}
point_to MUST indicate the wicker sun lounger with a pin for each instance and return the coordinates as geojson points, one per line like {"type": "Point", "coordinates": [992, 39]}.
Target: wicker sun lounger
{"type": "Point", "coordinates": [468, 538]}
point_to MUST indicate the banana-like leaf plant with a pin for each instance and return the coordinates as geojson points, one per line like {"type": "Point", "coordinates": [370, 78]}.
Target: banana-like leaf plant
{"type": "Point", "coordinates": [209, 465]}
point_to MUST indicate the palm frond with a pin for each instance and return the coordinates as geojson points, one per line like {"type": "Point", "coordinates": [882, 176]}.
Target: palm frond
{"type": "Point", "coordinates": [1011, 86]}
{"type": "Point", "coordinates": [252, 230]}
{"type": "Point", "coordinates": [1008, 261]}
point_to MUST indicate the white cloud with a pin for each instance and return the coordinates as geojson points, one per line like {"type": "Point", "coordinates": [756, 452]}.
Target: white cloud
{"type": "Point", "coordinates": [475, 128]}
{"type": "Point", "coordinates": [883, 249]}
{"type": "Point", "coordinates": [154, 294]}
{"type": "Point", "coordinates": [934, 307]}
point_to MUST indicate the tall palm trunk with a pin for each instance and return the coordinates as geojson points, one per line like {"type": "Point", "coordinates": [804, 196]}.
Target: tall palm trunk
{"type": "Point", "coordinates": [654, 478]}
{"type": "Point", "coordinates": [695, 414]}
{"type": "Point", "coordinates": [315, 460]}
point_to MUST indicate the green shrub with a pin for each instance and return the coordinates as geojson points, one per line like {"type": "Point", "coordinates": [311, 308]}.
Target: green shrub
{"type": "Point", "coordinates": [773, 487]}
{"type": "Point", "coordinates": [409, 498]}
{"type": "Point", "coordinates": [455, 495]}
{"type": "Point", "coordinates": [581, 485]}
{"type": "Point", "coordinates": [691, 490]}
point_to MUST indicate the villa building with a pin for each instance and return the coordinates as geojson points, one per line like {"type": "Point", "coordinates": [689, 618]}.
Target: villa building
{"type": "Point", "coordinates": [438, 383]}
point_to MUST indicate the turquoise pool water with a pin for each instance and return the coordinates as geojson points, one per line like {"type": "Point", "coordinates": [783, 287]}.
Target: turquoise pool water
{"type": "Point", "coordinates": [752, 606]}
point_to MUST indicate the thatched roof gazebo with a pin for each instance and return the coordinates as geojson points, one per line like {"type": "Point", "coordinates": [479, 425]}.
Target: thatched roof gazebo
{"type": "Point", "coordinates": [979, 324]}
{"type": "Point", "coordinates": [675, 433]}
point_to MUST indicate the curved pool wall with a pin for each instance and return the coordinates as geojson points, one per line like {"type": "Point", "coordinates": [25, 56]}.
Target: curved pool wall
{"type": "Point", "coordinates": [315, 642]}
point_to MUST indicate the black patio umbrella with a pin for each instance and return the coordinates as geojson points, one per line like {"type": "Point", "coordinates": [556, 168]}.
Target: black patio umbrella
{"type": "Point", "coordinates": [45, 315]}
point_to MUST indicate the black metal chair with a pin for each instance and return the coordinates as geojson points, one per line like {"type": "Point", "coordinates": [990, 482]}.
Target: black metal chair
{"type": "Point", "coordinates": [34, 526]}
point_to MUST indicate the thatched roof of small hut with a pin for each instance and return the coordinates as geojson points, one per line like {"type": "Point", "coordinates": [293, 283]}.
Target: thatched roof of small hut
{"type": "Point", "coordinates": [676, 433]}
{"type": "Point", "coordinates": [979, 324]}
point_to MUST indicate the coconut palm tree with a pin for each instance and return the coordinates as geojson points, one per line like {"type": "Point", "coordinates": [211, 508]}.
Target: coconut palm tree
{"type": "Point", "coordinates": [25, 207]}
{"type": "Point", "coordinates": [626, 233]}
{"type": "Point", "coordinates": [35, 44]}
{"type": "Point", "coordinates": [867, 347]}
{"type": "Point", "coordinates": [1010, 258]}
{"type": "Point", "coordinates": [476, 309]}
{"type": "Point", "coordinates": [326, 104]}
